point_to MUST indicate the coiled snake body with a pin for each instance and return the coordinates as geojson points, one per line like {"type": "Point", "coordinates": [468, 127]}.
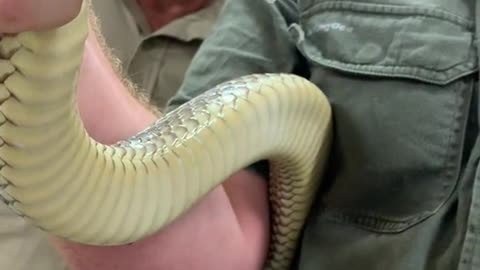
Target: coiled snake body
{"type": "Point", "coordinates": [53, 174]}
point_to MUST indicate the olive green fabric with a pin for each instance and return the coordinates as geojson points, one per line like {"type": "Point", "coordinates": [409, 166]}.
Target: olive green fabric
{"type": "Point", "coordinates": [154, 60]}
{"type": "Point", "coordinates": [402, 189]}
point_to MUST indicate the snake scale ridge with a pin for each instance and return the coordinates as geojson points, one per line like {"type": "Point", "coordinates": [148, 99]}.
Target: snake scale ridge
{"type": "Point", "coordinates": [62, 181]}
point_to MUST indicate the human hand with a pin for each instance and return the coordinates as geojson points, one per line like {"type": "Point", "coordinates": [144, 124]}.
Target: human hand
{"type": "Point", "coordinates": [36, 15]}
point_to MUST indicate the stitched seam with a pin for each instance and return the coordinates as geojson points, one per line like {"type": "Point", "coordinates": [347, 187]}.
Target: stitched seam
{"type": "Point", "coordinates": [430, 75]}
{"type": "Point", "coordinates": [424, 11]}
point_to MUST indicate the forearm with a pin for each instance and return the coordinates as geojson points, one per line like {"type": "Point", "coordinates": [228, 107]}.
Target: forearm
{"type": "Point", "coordinates": [109, 110]}
{"type": "Point", "coordinates": [211, 236]}
{"type": "Point", "coordinates": [226, 230]}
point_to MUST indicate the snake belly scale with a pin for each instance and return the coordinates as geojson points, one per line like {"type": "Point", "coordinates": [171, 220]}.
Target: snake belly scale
{"type": "Point", "coordinates": [61, 180]}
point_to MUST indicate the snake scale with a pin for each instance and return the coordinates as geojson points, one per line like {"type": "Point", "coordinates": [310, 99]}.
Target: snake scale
{"type": "Point", "coordinates": [65, 183]}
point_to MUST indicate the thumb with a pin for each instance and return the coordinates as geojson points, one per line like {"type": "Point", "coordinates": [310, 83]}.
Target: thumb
{"type": "Point", "coordinates": [36, 15]}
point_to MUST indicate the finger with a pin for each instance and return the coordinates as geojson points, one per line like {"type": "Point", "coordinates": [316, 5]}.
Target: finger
{"type": "Point", "coordinates": [36, 15]}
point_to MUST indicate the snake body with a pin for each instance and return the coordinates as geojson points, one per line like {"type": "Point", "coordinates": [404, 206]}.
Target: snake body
{"type": "Point", "coordinates": [61, 180]}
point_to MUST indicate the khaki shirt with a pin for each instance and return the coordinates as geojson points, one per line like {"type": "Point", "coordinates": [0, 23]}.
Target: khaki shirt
{"type": "Point", "coordinates": [24, 247]}
{"type": "Point", "coordinates": [155, 61]}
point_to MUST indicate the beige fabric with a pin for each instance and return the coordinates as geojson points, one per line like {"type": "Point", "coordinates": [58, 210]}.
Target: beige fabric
{"type": "Point", "coordinates": [156, 61]}
{"type": "Point", "coordinates": [23, 247]}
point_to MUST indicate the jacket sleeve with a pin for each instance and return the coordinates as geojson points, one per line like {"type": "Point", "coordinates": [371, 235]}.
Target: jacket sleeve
{"type": "Point", "coordinates": [250, 36]}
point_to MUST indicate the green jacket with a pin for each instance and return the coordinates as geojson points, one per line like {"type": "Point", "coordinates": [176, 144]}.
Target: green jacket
{"type": "Point", "coordinates": [402, 189]}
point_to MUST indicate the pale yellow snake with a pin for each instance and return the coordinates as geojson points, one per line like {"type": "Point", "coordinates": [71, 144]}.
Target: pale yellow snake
{"type": "Point", "coordinates": [57, 177]}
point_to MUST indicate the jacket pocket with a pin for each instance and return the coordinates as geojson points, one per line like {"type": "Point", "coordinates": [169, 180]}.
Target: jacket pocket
{"type": "Point", "coordinates": [399, 79]}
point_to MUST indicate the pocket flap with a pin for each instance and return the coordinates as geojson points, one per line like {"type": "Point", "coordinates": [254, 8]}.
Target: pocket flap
{"type": "Point", "coordinates": [402, 41]}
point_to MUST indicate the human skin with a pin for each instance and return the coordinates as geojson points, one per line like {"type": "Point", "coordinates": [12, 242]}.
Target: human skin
{"type": "Point", "coordinates": [228, 229]}
{"type": "Point", "coordinates": [160, 12]}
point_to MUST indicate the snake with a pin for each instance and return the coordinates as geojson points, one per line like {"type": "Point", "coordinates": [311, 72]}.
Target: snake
{"type": "Point", "coordinates": [59, 179]}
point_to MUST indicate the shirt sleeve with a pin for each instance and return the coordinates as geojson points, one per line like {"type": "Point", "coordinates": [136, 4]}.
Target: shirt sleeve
{"type": "Point", "coordinates": [250, 36]}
